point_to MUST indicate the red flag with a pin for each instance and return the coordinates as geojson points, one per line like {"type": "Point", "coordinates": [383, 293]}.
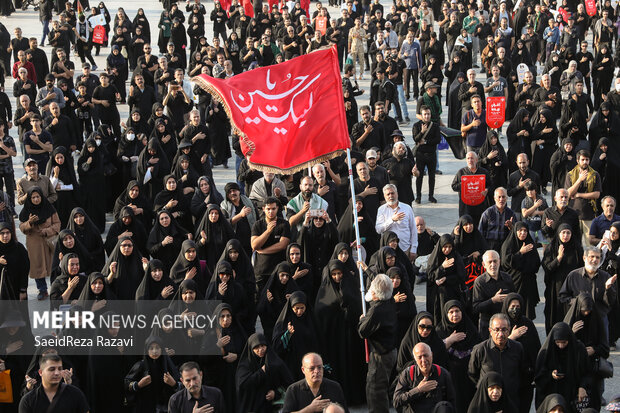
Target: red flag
{"type": "Point", "coordinates": [471, 189]}
{"type": "Point", "coordinates": [590, 7]}
{"type": "Point", "coordinates": [290, 115]}
{"type": "Point", "coordinates": [496, 111]}
{"type": "Point", "coordinates": [80, 9]}
{"type": "Point", "coordinates": [248, 7]}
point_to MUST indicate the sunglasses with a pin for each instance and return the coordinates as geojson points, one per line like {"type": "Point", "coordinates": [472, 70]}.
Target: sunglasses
{"type": "Point", "coordinates": [425, 326]}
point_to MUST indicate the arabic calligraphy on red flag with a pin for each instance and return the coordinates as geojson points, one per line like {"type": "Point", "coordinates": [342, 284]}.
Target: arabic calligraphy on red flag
{"type": "Point", "coordinates": [471, 189]}
{"type": "Point", "coordinates": [289, 115]}
{"type": "Point", "coordinates": [496, 111]}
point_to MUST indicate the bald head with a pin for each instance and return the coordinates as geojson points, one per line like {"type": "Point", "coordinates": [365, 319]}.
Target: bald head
{"type": "Point", "coordinates": [334, 408]}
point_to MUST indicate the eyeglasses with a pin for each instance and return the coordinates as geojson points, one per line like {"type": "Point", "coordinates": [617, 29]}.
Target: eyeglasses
{"type": "Point", "coordinates": [425, 326]}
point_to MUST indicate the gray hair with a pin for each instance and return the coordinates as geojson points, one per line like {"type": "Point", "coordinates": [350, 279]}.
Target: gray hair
{"type": "Point", "coordinates": [382, 287]}
{"type": "Point", "coordinates": [390, 186]}
{"type": "Point", "coordinates": [590, 249]}
{"type": "Point", "coordinates": [474, 153]}
{"type": "Point", "coordinates": [609, 197]}
{"type": "Point", "coordinates": [490, 253]}
{"type": "Point", "coordinates": [499, 316]}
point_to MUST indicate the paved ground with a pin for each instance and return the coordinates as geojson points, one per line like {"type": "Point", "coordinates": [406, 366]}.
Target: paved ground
{"type": "Point", "coordinates": [440, 217]}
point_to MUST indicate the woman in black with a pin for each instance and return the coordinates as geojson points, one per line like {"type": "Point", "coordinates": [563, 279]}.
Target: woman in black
{"type": "Point", "coordinates": [96, 293]}
{"type": "Point", "coordinates": [273, 297]}
{"type": "Point", "coordinates": [390, 239]}
{"type": "Point", "coordinates": [469, 242]}
{"type": "Point", "coordinates": [16, 348]}
{"type": "Point", "coordinates": [522, 329]}
{"type": "Point", "coordinates": [493, 158]}
{"type": "Point", "coordinates": [421, 330]}
{"type": "Point", "coordinates": [63, 281]}
{"type": "Point", "coordinates": [519, 135]}
{"type": "Point", "coordinates": [261, 376]}
{"type": "Point", "coordinates": [62, 177]}
{"type": "Point", "coordinates": [587, 324]}
{"type": "Point", "coordinates": [14, 265]}
{"type": "Point", "coordinates": [491, 396]}
{"type": "Point", "coordinates": [165, 239]}
{"type": "Point", "coordinates": [205, 193]}
{"type": "Point", "coordinates": [88, 234]}
{"type": "Point", "coordinates": [188, 266]}
{"type": "Point", "coordinates": [302, 272]}
{"type": "Point", "coordinates": [405, 301]}
{"type": "Point", "coordinates": [129, 147]}
{"type": "Point", "coordinates": [230, 340]}
{"type": "Point", "coordinates": [124, 269]}
{"type": "Point", "coordinates": [243, 272]}
{"type": "Point", "coordinates": [460, 336]}
{"type": "Point", "coordinates": [172, 200]}
{"type": "Point", "coordinates": [126, 225]}
{"type": "Point", "coordinates": [92, 180]}
{"type": "Point", "coordinates": [225, 288]}
{"type": "Point", "coordinates": [554, 403]}
{"type": "Point", "coordinates": [154, 162]}
{"type": "Point", "coordinates": [188, 299]}
{"type": "Point", "coordinates": [134, 197]}
{"type": "Point", "coordinates": [561, 365]}
{"type": "Point", "coordinates": [317, 239]}
{"type": "Point", "coordinates": [602, 73]}
{"type": "Point", "coordinates": [337, 310]}
{"type": "Point", "coordinates": [610, 264]}
{"type": "Point", "coordinates": [186, 176]}
{"type": "Point", "coordinates": [165, 135]}
{"type": "Point", "coordinates": [295, 333]}
{"type": "Point", "coordinates": [519, 258]}
{"type": "Point", "coordinates": [446, 276]}
{"type": "Point", "coordinates": [562, 161]}
{"type": "Point", "coordinates": [212, 234]}
{"type": "Point", "coordinates": [65, 244]}
{"type": "Point", "coordinates": [545, 137]}
{"type": "Point", "coordinates": [152, 395]}
{"type": "Point", "coordinates": [368, 234]}
{"type": "Point", "coordinates": [561, 256]}
{"type": "Point", "coordinates": [141, 21]}
{"type": "Point", "coordinates": [154, 292]}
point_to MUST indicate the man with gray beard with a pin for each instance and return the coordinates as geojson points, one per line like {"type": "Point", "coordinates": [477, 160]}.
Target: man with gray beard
{"type": "Point", "coordinates": [559, 214]}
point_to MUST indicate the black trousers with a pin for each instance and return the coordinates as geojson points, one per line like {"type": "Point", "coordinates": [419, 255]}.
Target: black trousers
{"type": "Point", "coordinates": [409, 75]}
{"type": "Point", "coordinates": [378, 381]}
{"type": "Point", "coordinates": [426, 160]}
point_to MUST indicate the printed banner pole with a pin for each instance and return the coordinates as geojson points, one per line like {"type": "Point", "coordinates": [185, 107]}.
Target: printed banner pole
{"type": "Point", "coordinates": [358, 244]}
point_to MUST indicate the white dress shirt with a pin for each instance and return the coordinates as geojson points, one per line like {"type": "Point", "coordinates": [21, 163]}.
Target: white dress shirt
{"type": "Point", "coordinates": [405, 228]}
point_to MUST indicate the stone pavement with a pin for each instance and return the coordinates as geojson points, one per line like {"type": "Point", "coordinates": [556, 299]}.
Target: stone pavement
{"type": "Point", "coordinates": [440, 217]}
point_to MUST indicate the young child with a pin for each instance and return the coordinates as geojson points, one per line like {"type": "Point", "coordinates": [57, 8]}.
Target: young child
{"type": "Point", "coordinates": [532, 208]}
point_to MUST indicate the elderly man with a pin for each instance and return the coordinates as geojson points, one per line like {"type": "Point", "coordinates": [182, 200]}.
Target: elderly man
{"type": "Point", "coordinates": [61, 128]}
{"type": "Point", "coordinates": [496, 222]}
{"type": "Point", "coordinates": [469, 89]}
{"type": "Point", "coordinates": [490, 290]}
{"type": "Point", "coordinates": [326, 189]}
{"type": "Point", "coordinates": [472, 168]}
{"type": "Point", "coordinates": [559, 214]}
{"type": "Point", "coordinates": [33, 178]}
{"type": "Point", "coordinates": [584, 188]}
{"type": "Point", "coordinates": [421, 386]}
{"type": "Point", "coordinates": [304, 201]}
{"type": "Point", "coordinates": [593, 281]}
{"type": "Point", "coordinates": [505, 356]}
{"type": "Point", "coordinates": [603, 222]}
{"type": "Point", "coordinates": [268, 185]}
{"type": "Point", "coordinates": [378, 326]}
{"type": "Point", "coordinates": [195, 397]}
{"type": "Point", "coordinates": [399, 218]}
{"type": "Point", "coordinates": [313, 393]}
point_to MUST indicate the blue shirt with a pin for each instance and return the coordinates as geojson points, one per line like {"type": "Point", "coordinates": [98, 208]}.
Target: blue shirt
{"type": "Point", "coordinates": [552, 35]}
{"type": "Point", "coordinates": [477, 135]}
{"type": "Point", "coordinates": [492, 223]}
{"type": "Point", "coordinates": [601, 224]}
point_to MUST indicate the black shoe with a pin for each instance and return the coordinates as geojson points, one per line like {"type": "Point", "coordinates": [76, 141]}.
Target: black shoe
{"type": "Point", "coordinates": [438, 172]}
{"type": "Point", "coordinates": [42, 295]}
{"type": "Point", "coordinates": [544, 191]}
{"type": "Point", "coordinates": [475, 66]}
{"type": "Point", "coordinates": [483, 71]}
{"type": "Point", "coordinates": [432, 200]}
{"type": "Point", "coordinates": [418, 200]}
{"type": "Point", "coordinates": [421, 279]}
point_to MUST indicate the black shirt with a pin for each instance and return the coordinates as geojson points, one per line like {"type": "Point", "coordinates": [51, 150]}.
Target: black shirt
{"type": "Point", "coordinates": [183, 402]}
{"type": "Point", "coordinates": [108, 94]}
{"type": "Point", "coordinates": [266, 263]}
{"type": "Point", "coordinates": [298, 395]}
{"type": "Point", "coordinates": [379, 326]}
{"type": "Point", "coordinates": [68, 399]}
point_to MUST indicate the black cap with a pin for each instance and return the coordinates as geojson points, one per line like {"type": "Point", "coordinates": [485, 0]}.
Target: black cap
{"type": "Point", "coordinates": [230, 186]}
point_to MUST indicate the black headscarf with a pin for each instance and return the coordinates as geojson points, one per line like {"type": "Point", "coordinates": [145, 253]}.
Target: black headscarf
{"type": "Point", "coordinates": [552, 401]}
{"type": "Point", "coordinates": [200, 200]}
{"type": "Point", "coordinates": [181, 266]}
{"type": "Point", "coordinates": [446, 327]}
{"type": "Point", "coordinates": [43, 211]}
{"type": "Point", "coordinates": [149, 289]}
{"type": "Point", "coordinates": [88, 295]}
{"type": "Point", "coordinates": [349, 265]}
{"type": "Point", "coordinates": [244, 272]}
{"type": "Point", "coordinates": [178, 172]}
{"type": "Point", "coordinates": [270, 310]}
{"type": "Point", "coordinates": [67, 172]}
{"type": "Point", "coordinates": [346, 227]}
{"type": "Point", "coordinates": [157, 368]}
{"type": "Point", "coordinates": [466, 243]}
{"type": "Point", "coordinates": [482, 403]}
{"type": "Point", "coordinates": [592, 334]}
{"type": "Point", "coordinates": [129, 271]}
{"type": "Point", "coordinates": [217, 234]}
{"type": "Point", "coordinates": [413, 337]}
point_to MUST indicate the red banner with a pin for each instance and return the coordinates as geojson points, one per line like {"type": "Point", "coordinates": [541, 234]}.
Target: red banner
{"type": "Point", "coordinates": [248, 7]}
{"type": "Point", "coordinates": [320, 24]}
{"type": "Point", "coordinates": [290, 115]}
{"type": "Point", "coordinates": [496, 112]}
{"type": "Point", "coordinates": [591, 7]}
{"type": "Point", "coordinates": [99, 35]}
{"type": "Point", "coordinates": [471, 189]}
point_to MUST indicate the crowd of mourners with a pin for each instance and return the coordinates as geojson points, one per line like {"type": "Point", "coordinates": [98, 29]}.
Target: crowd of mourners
{"type": "Point", "coordinates": [279, 251]}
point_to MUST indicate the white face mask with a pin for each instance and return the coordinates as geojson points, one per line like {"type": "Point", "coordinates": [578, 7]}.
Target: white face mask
{"type": "Point", "coordinates": [130, 136]}
{"type": "Point", "coordinates": [98, 142]}
{"type": "Point", "coordinates": [617, 87]}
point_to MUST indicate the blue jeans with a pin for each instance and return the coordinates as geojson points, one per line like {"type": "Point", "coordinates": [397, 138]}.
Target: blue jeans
{"type": "Point", "coordinates": [46, 31]}
{"type": "Point", "coordinates": [41, 284]}
{"type": "Point", "coordinates": [402, 100]}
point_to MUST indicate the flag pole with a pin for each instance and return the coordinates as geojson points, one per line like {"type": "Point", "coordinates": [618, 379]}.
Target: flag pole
{"type": "Point", "coordinates": [358, 244]}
